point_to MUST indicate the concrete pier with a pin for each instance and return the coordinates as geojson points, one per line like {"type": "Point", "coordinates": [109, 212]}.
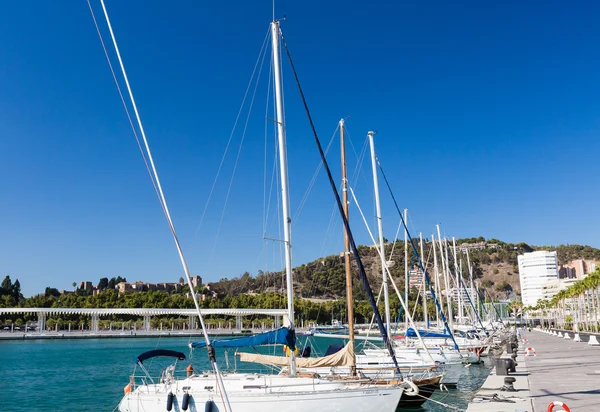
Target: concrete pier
{"type": "Point", "coordinates": [562, 371]}
{"type": "Point", "coordinates": [519, 401]}
{"type": "Point", "coordinates": [565, 371]}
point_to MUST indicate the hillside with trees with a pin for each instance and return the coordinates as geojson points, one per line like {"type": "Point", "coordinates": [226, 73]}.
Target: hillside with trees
{"type": "Point", "coordinates": [494, 266]}
{"type": "Point", "coordinates": [320, 286]}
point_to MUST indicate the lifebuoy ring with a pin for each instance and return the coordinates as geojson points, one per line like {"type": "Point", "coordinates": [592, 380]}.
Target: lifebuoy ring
{"type": "Point", "coordinates": [189, 370]}
{"type": "Point", "coordinates": [528, 352]}
{"type": "Point", "coordinates": [557, 403]}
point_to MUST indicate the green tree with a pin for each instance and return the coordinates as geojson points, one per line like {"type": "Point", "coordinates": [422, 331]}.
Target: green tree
{"type": "Point", "coordinates": [7, 284]}
{"type": "Point", "coordinates": [51, 292]}
{"type": "Point", "coordinates": [16, 291]}
{"type": "Point", "coordinates": [103, 283]}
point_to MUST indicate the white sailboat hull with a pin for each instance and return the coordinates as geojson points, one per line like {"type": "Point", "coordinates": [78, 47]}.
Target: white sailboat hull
{"type": "Point", "coordinates": [263, 393]}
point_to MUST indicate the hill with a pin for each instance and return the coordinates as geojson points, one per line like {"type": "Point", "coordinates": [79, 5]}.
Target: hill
{"type": "Point", "coordinates": [494, 264]}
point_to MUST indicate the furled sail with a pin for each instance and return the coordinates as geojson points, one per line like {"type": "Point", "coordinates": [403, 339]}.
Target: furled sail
{"type": "Point", "coordinates": [410, 332]}
{"type": "Point", "coordinates": [343, 357]}
{"type": "Point", "coordinates": [281, 336]}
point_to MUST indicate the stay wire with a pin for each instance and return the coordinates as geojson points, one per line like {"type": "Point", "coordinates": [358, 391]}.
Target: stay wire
{"type": "Point", "coordinates": [237, 158]}
{"type": "Point", "coordinates": [184, 264]}
{"type": "Point", "coordinates": [314, 178]}
{"type": "Point", "coordinates": [266, 139]}
{"type": "Point", "coordinates": [212, 189]}
{"type": "Point", "coordinates": [127, 112]}
{"type": "Point", "coordinates": [416, 254]}
{"type": "Point", "coordinates": [358, 260]}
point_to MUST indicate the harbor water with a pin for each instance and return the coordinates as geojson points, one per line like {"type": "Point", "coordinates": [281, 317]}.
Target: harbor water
{"type": "Point", "coordinates": [90, 374]}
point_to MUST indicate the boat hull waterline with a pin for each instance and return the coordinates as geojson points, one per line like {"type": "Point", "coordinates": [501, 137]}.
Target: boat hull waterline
{"type": "Point", "coordinates": [262, 393]}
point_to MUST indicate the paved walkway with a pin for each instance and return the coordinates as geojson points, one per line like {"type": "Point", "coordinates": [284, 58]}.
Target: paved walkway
{"type": "Point", "coordinates": [563, 370]}
{"type": "Point", "coordinates": [519, 401]}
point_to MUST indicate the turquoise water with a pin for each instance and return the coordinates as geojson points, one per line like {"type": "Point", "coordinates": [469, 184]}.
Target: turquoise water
{"type": "Point", "coordinates": [90, 374]}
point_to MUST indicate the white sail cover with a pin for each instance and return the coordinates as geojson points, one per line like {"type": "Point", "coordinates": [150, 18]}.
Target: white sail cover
{"type": "Point", "coordinates": [343, 357]}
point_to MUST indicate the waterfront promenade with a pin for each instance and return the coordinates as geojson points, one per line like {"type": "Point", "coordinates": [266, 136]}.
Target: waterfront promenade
{"type": "Point", "coordinates": [563, 370]}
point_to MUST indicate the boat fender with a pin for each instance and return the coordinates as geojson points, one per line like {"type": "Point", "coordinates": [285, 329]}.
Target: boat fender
{"type": "Point", "coordinates": [127, 389]}
{"type": "Point", "coordinates": [562, 405]}
{"type": "Point", "coordinates": [413, 389]}
{"type": "Point", "coordinates": [210, 406]}
{"type": "Point", "coordinates": [170, 401]}
{"type": "Point", "coordinates": [287, 350]}
{"type": "Point", "coordinates": [185, 402]}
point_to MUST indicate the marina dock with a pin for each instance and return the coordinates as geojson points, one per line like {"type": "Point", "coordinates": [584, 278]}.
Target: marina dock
{"type": "Point", "coordinates": [561, 370]}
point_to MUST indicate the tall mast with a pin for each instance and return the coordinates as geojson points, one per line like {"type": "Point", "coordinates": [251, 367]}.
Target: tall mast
{"type": "Point", "coordinates": [347, 251]}
{"type": "Point", "coordinates": [425, 318]}
{"type": "Point", "coordinates": [386, 296]}
{"type": "Point", "coordinates": [458, 272]}
{"type": "Point", "coordinates": [285, 194]}
{"type": "Point", "coordinates": [446, 283]}
{"type": "Point", "coordinates": [471, 292]}
{"type": "Point", "coordinates": [436, 272]}
{"type": "Point", "coordinates": [406, 274]}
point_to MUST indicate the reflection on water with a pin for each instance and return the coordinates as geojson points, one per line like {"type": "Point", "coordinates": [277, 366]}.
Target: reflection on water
{"type": "Point", "coordinates": [459, 397]}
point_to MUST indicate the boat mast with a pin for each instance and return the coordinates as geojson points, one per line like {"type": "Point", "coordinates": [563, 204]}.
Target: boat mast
{"type": "Point", "coordinates": [446, 283]}
{"type": "Point", "coordinates": [471, 292]}
{"type": "Point", "coordinates": [285, 195]}
{"type": "Point", "coordinates": [436, 272]}
{"type": "Point", "coordinates": [406, 274]}
{"type": "Point", "coordinates": [347, 251]}
{"type": "Point", "coordinates": [458, 272]}
{"type": "Point", "coordinates": [425, 317]}
{"type": "Point", "coordinates": [386, 296]}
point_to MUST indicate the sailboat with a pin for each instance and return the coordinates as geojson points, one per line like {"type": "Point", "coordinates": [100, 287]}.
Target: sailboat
{"type": "Point", "coordinates": [377, 363]}
{"type": "Point", "coordinates": [345, 363]}
{"type": "Point", "coordinates": [247, 392]}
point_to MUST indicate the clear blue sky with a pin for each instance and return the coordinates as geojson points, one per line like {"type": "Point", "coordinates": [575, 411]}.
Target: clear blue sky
{"type": "Point", "coordinates": [488, 116]}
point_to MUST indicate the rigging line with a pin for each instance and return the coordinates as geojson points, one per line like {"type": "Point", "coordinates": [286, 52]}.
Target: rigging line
{"type": "Point", "coordinates": [329, 229]}
{"type": "Point", "coordinates": [395, 240]}
{"type": "Point", "coordinates": [380, 252]}
{"type": "Point", "coordinates": [359, 159]}
{"type": "Point", "coordinates": [212, 189]}
{"type": "Point", "coordinates": [419, 291]}
{"type": "Point", "coordinates": [336, 195]}
{"type": "Point", "coordinates": [418, 258]}
{"type": "Point", "coordinates": [127, 112]}
{"type": "Point", "coordinates": [314, 178]}
{"type": "Point", "coordinates": [273, 182]}
{"type": "Point", "coordinates": [237, 158]}
{"type": "Point", "coordinates": [266, 146]}
{"type": "Point", "coordinates": [165, 206]}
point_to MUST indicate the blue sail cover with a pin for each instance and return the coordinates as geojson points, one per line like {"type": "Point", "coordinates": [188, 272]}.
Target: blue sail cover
{"type": "Point", "coordinates": [410, 332]}
{"type": "Point", "coordinates": [282, 336]}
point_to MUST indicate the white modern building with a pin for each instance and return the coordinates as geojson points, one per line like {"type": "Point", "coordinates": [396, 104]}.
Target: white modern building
{"type": "Point", "coordinates": [535, 269]}
{"type": "Point", "coordinates": [552, 287]}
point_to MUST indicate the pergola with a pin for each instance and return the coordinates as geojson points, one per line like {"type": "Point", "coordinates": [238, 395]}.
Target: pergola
{"type": "Point", "coordinates": [146, 313]}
